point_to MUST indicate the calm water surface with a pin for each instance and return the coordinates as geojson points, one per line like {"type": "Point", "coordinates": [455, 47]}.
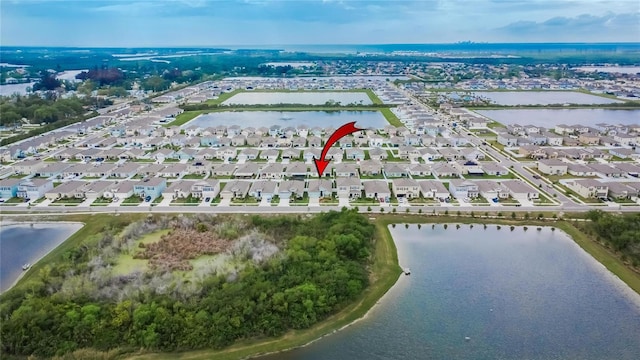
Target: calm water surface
{"type": "Point", "coordinates": [257, 119]}
{"type": "Point", "coordinates": [542, 97]}
{"type": "Point", "coordinates": [552, 117]}
{"type": "Point", "coordinates": [23, 243]}
{"type": "Point", "coordinates": [310, 98]}
{"type": "Point", "coordinates": [516, 295]}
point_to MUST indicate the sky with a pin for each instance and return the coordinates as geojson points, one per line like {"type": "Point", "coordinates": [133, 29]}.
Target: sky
{"type": "Point", "coordinates": [156, 23]}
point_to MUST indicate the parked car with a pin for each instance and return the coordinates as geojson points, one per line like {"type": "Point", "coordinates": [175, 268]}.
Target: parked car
{"type": "Point", "coordinates": [147, 199]}
{"type": "Point", "coordinates": [207, 199]}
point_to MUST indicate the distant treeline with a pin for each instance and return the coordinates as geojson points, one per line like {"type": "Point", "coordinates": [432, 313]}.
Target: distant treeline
{"type": "Point", "coordinates": [205, 106]}
{"type": "Point", "coordinates": [626, 104]}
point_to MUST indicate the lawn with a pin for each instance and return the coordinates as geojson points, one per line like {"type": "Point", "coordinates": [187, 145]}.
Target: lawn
{"type": "Point", "coordinates": [68, 201]}
{"type": "Point", "coordinates": [275, 200]}
{"type": "Point", "coordinates": [101, 201]}
{"type": "Point", "coordinates": [132, 200]}
{"type": "Point", "coordinates": [248, 200]}
{"type": "Point", "coordinates": [304, 200]}
{"type": "Point", "coordinates": [194, 176]}
{"type": "Point", "coordinates": [391, 117]}
{"type": "Point", "coordinates": [14, 200]}
{"type": "Point", "coordinates": [189, 200]}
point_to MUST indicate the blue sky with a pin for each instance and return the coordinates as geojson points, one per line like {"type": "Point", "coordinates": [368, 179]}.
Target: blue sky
{"type": "Point", "coordinates": [138, 23]}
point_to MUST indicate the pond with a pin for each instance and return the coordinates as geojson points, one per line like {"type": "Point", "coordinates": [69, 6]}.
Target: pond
{"type": "Point", "coordinates": [24, 243]}
{"type": "Point", "coordinates": [491, 294]}
{"type": "Point", "coordinates": [552, 117]}
{"type": "Point", "coordinates": [364, 119]}
{"type": "Point", "coordinates": [511, 98]}
{"type": "Point", "coordinates": [306, 98]}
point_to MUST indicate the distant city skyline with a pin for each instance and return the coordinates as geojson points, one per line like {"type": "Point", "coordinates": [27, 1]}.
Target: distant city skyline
{"type": "Point", "coordinates": [184, 23]}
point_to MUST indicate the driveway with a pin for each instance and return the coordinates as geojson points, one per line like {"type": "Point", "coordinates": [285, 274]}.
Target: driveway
{"type": "Point", "coordinates": [343, 201]}
{"type": "Point", "coordinates": [314, 201]}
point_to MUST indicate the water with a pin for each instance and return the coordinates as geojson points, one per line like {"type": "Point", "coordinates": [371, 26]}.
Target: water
{"type": "Point", "coordinates": [516, 295]}
{"type": "Point", "coordinates": [611, 69]}
{"type": "Point", "coordinates": [310, 98]}
{"type": "Point", "coordinates": [542, 97]}
{"type": "Point", "coordinates": [552, 117]}
{"type": "Point", "coordinates": [364, 119]}
{"type": "Point", "coordinates": [10, 89]}
{"type": "Point", "coordinates": [23, 243]}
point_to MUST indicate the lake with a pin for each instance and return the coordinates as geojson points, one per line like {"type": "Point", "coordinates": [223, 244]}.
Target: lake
{"type": "Point", "coordinates": [23, 243]}
{"type": "Point", "coordinates": [10, 89]}
{"type": "Point", "coordinates": [364, 119]}
{"type": "Point", "coordinates": [611, 69]}
{"type": "Point", "coordinates": [516, 295]}
{"type": "Point", "coordinates": [306, 98]}
{"type": "Point", "coordinates": [551, 117]}
{"type": "Point", "coordinates": [511, 98]}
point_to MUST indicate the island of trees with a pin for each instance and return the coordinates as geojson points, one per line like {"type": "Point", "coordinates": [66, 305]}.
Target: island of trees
{"type": "Point", "coordinates": [143, 286]}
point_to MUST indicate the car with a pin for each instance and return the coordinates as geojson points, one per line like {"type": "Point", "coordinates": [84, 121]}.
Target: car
{"type": "Point", "coordinates": [536, 176]}
{"type": "Point", "coordinates": [1, 200]}
{"type": "Point", "coordinates": [207, 199]}
{"type": "Point", "coordinates": [147, 199]}
{"type": "Point", "coordinates": [495, 200]}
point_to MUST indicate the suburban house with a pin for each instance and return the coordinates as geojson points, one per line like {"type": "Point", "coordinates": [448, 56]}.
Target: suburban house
{"type": "Point", "coordinates": [291, 189]}
{"type": "Point", "coordinates": [152, 187]}
{"type": "Point", "coordinates": [552, 166]}
{"type": "Point", "coordinates": [461, 189]}
{"type": "Point", "coordinates": [433, 189]}
{"type": "Point", "coordinates": [70, 189]}
{"type": "Point", "coordinates": [377, 189]}
{"type": "Point", "coordinates": [492, 190]}
{"type": "Point", "coordinates": [350, 187]}
{"type": "Point", "coordinates": [520, 190]}
{"type": "Point", "coordinates": [120, 190]}
{"type": "Point", "coordinates": [235, 189]}
{"type": "Point", "coordinates": [319, 188]}
{"type": "Point", "coordinates": [405, 187]}
{"type": "Point", "coordinates": [178, 189]}
{"type": "Point", "coordinates": [263, 189]}
{"type": "Point", "coordinates": [507, 139]}
{"type": "Point", "coordinates": [34, 188]}
{"type": "Point", "coordinates": [9, 188]}
{"type": "Point", "coordinates": [589, 188]}
{"type": "Point", "coordinates": [202, 189]}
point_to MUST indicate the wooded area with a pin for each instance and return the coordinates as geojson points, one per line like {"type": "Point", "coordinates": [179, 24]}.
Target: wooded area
{"type": "Point", "coordinates": [322, 265]}
{"type": "Point", "coordinates": [621, 232]}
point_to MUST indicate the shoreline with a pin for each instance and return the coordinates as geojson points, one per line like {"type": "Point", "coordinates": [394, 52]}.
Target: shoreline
{"type": "Point", "coordinates": [33, 262]}
{"type": "Point", "coordinates": [386, 274]}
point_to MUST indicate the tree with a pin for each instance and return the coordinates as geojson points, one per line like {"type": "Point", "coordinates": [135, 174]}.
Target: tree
{"type": "Point", "coordinates": [47, 82]}
{"type": "Point", "coordinates": [513, 214]}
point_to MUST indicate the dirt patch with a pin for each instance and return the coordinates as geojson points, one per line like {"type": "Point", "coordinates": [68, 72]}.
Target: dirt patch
{"type": "Point", "coordinates": [174, 249]}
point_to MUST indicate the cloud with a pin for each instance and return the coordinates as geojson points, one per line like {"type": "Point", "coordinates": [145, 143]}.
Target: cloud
{"type": "Point", "coordinates": [584, 27]}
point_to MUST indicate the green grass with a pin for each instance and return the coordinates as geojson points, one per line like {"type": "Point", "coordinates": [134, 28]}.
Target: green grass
{"type": "Point", "coordinates": [189, 200]}
{"type": "Point", "coordinates": [16, 176]}
{"type": "Point", "coordinates": [74, 201]}
{"type": "Point", "coordinates": [101, 201]}
{"type": "Point", "coordinates": [391, 117]}
{"type": "Point", "coordinates": [373, 97]}
{"type": "Point", "coordinates": [126, 264]}
{"type": "Point", "coordinates": [50, 159]}
{"type": "Point", "coordinates": [132, 200]}
{"type": "Point", "coordinates": [194, 176]}
{"type": "Point", "coordinates": [304, 200]}
{"type": "Point", "coordinates": [246, 200]}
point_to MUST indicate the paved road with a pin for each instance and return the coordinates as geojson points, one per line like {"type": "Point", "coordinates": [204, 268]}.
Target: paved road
{"type": "Point", "coordinates": [480, 209]}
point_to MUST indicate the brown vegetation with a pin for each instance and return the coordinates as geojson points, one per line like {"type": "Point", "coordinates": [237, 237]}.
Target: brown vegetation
{"type": "Point", "coordinates": [174, 249]}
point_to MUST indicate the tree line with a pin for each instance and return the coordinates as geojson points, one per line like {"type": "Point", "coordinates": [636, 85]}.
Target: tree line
{"type": "Point", "coordinates": [322, 267]}
{"type": "Point", "coordinates": [621, 232]}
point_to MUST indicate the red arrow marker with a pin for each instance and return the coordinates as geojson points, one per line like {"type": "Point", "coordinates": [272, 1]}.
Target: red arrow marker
{"type": "Point", "coordinates": [342, 131]}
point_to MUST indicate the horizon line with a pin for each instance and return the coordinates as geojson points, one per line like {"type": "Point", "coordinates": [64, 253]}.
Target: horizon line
{"type": "Point", "coordinates": [230, 46]}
